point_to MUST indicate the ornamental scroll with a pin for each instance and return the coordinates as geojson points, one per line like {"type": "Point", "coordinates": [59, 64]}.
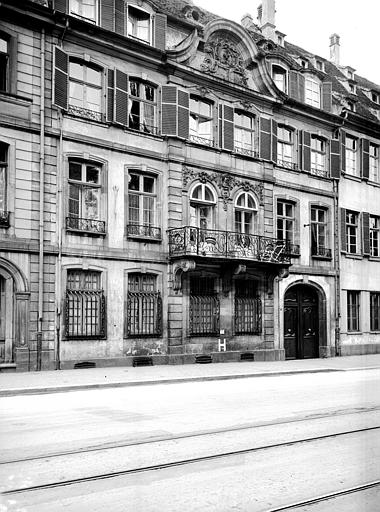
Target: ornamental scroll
{"type": "Point", "coordinates": [225, 182]}
{"type": "Point", "coordinates": [224, 59]}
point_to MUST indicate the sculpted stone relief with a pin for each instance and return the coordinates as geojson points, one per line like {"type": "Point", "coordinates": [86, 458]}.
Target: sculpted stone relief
{"type": "Point", "coordinates": [224, 59]}
{"type": "Point", "coordinates": [225, 183]}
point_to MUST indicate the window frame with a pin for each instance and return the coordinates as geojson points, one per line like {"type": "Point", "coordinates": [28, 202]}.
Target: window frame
{"type": "Point", "coordinates": [84, 111]}
{"type": "Point", "coordinates": [352, 232]}
{"type": "Point", "coordinates": [127, 24]}
{"type": "Point", "coordinates": [95, 20]}
{"type": "Point", "coordinates": [374, 163]}
{"type": "Point", "coordinates": [353, 311]}
{"type": "Point", "coordinates": [319, 230]}
{"type": "Point", "coordinates": [374, 235]}
{"type": "Point", "coordinates": [318, 157]}
{"type": "Point", "coordinates": [279, 70]}
{"type": "Point", "coordinates": [141, 101]}
{"type": "Point", "coordinates": [147, 301]}
{"type": "Point", "coordinates": [242, 147]}
{"type": "Point", "coordinates": [196, 204]}
{"type": "Point", "coordinates": [284, 160]}
{"type": "Point", "coordinates": [141, 229]}
{"type": "Point", "coordinates": [313, 94]}
{"type": "Point", "coordinates": [246, 211]}
{"type": "Point", "coordinates": [6, 57]}
{"type": "Point", "coordinates": [283, 219]}
{"type": "Point", "coordinates": [196, 116]}
{"type": "Point", "coordinates": [352, 156]}
{"type": "Point", "coordinates": [374, 311]}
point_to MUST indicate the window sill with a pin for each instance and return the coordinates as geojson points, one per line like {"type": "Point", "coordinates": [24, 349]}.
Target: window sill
{"type": "Point", "coordinates": [84, 232]}
{"type": "Point", "coordinates": [140, 132]}
{"type": "Point", "coordinates": [323, 258]}
{"type": "Point", "coordinates": [374, 258]}
{"type": "Point", "coordinates": [352, 177]}
{"type": "Point", "coordinates": [142, 238]}
{"type": "Point", "coordinates": [14, 98]}
{"type": "Point", "coordinates": [352, 256]}
{"type": "Point", "coordinates": [101, 337]}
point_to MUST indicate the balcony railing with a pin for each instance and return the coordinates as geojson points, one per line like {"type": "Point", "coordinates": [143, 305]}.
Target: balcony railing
{"type": "Point", "coordinates": [321, 252]}
{"type": "Point", "coordinates": [201, 140]}
{"type": "Point", "coordinates": [322, 173]}
{"type": "Point", "coordinates": [4, 219]}
{"type": "Point", "coordinates": [192, 241]}
{"type": "Point", "coordinates": [292, 249]}
{"type": "Point", "coordinates": [91, 226]}
{"type": "Point", "coordinates": [86, 113]}
{"type": "Point", "coordinates": [246, 152]}
{"type": "Point", "coordinates": [288, 165]}
{"type": "Point", "coordinates": [140, 231]}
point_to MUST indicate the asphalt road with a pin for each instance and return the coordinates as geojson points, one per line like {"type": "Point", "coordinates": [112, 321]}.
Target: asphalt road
{"type": "Point", "coordinates": [247, 445]}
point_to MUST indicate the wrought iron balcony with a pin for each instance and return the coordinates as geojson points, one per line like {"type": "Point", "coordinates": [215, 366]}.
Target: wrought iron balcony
{"type": "Point", "coordinates": [288, 165]}
{"type": "Point", "coordinates": [246, 151]}
{"type": "Point", "coordinates": [90, 226]}
{"type": "Point", "coordinates": [4, 219]}
{"type": "Point", "coordinates": [201, 140]}
{"type": "Point", "coordinates": [191, 241]}
{"type": "Point", "coordinates": [321, 172]}
{"type": "Point", "coordinates": [292, 249]}
{"type": "Point", "coordinates": [141, 231]}
{"type": "Point", "coordinates": [321, 252]}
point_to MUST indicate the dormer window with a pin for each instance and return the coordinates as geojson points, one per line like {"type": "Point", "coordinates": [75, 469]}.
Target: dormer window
{"type": "Point", "coordinates": [138, 24]}
{"type": "Point", "coordinates": [352, 88]}
{"type": "Point", "coordinates": [304, 63]}
{"type": "Point", "coordinates": [312, 92]}
{"type": "Point", "coordinates": [87, 9]}
{"type": "Point", "coordinates": [351, 106]}
{"type": "Point", "coordinates": [279, 78]}
{"type": "Point", "coordinates": [375, 97]}
{"type": "Point", "coordinates": [319, 65]}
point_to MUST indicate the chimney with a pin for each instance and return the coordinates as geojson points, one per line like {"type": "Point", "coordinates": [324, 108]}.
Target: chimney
{"type": "Point", "coordinates": [266, 17]}
{"type": "Point", "coordinates": [335, 49]}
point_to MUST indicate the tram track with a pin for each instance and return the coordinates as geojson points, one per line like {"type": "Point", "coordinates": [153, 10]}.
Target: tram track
{"type": "Point", "coordinates": [184, 462]}
{"type": "Point", "coordinates": [189, 435]}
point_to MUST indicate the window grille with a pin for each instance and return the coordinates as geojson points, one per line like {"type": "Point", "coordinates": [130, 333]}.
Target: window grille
{"type": "Point", "coordinates": [247, 308]}
{"type": "Point", "coordinates": [85, 305]}
{"type": "Point", "coordinates": [204, 307]}
{"type": "Point", "coordinates": [144, 306]}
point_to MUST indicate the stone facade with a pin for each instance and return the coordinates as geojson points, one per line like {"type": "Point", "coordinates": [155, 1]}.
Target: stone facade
{"type": "Point", "coordinates": [194, 190]}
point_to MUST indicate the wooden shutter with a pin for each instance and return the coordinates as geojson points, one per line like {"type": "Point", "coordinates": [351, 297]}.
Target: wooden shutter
{"type": "Point", "coordinates": [110, 95]}
{"type": "Point", "coordinates": [300, 149]}
{"type": "Point", "coordinates": [343, 149]}
{"type": "Point", "coordinates": [121, 98]}
{"type": "Point", "coordinates": [296, 86]}
{"type": "Point", "coordinates": [183, 114]}
{"type": "Point", "coordinates": [61, 5]}
{"type": "Point", "coordinates": [274, 140]}
{"type": "Point", "coordinates": [226, 127]}
{"type": "Point", "coordinates": [365, 158]}
{"type": "Point", "coordinates": [61, 78]}
{"type": "Point", "coordinates": [160, 31]}
{"type": "Point", "coordinates": [169, 110]}
{"type": "Point", "coordinates": [306, 154]}
{"type": "Point", "coordinates": [265, 138]}
{"type": "Point", "coordinates": [365, 234]}
{"type": "Point", "coordinates": [327, 96]}
{"type": "Point", "coordinates": [335, 160]}
{"type": "Point", "coordinates": [119, 17]}
{"type": "Point", "coordinates": [343, 235]}
{"type": "Point", "coordinates": [107, 14]}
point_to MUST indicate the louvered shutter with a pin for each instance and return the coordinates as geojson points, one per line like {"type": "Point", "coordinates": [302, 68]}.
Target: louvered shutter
{"type": "Point", "coordinates": [274, 140]}
{"type": "Point", "coordinates": [160, 31]}
{"type": "Point", "coordinates": [327, 96]}
{"type": "Point", "coordinates": [61, 78]}
{"type": "Point", "coordinates": [265, 138]}
{"type": "Point", "coordinates": [107, 14]}
{"type": "Point", "coordinates": [183, 114]}
{"type": "Point", "coordinates": [121, 98]}
{"type": "Point", "coordinates": [365, 234]}
{"type": "Point", "coordinates": [296, 86]}
{"type": "Point", "coordinates": [365, 158]}
{"type": "Point", "coordinates": [335, 160]}
{"type": "Point", "coordinates": [110, 95]}
{"type": "Point", "coordinates": [306, 151]}
{"type": "Point", "coordinates": [228, 127]}
{"type": "Point", "coordinates": [119, 17]}
{"type": "Point", "coordinates": [61, 5]}
{"type": "Point", "coordinates": [220, 125]}
{"type": "Point", "coordinates": [169, 110]}
{"type": "Point", "coordinates": [300, 149]}
{"type": "Point", "coordinates": [343, 234]}
{"type": "Point", "coordinates": [343, 149]}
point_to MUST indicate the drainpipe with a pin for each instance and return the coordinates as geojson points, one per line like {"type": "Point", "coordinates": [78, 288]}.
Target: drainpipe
{"type": "Point", "coordinates": [41, 217]}
{"type": "Point", "coordinates": [60, 220]}
{"type": "Point", "coordinates": [337, 268]}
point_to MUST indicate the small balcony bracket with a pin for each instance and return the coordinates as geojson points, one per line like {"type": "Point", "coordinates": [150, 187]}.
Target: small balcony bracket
{"type": "Point", "coordinates": [179, 267]}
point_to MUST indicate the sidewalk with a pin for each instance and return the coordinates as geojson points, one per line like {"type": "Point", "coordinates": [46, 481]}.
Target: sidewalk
{"type": "Point", "coordinates": [12, 384]}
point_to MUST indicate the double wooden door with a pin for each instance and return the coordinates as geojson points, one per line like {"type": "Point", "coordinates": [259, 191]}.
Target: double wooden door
{"type": "Point", "coordinates": [301, 340]}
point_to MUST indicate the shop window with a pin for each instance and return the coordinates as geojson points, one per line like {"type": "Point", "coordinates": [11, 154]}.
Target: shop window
{"type": "Point", "coordinates": [247, 308]}
{"type": "Point", "coordinates": [86, 9]}
{"type": "Point", "coordinates": [84, 208]}
{"type": "Point", "coordinates": [353, 311]}
{"type": "Point", "coordinates": [201, 126]}
{"type": "Point", "coordinates": [204, 307]}
{"type": "Point", "coordinates": [85, 305]}
{"type": "Point", "coordinates": [144, 306]}
{"type": "Point", "coordinates": [244, 131]}
{"type": "Point", "coordinates": [142, 206]}
{"type": "Point", "coordinates": [142, 106]}
{"type": "Point", "coordinates": [85, 90]}
{"type": "Point", "coordinates": [375, 311]}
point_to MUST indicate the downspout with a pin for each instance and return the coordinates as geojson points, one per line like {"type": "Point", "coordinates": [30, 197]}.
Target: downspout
{"type": "Point", "coordinates": [337, 268]}
{"type": "Point", "coordinates": [41, 216]}
{"type": "Point", "coordinates": [60, 218]}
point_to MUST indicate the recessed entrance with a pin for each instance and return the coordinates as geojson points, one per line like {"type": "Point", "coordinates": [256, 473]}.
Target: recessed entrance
{"type": "Point", "coordinates": [301, 322]}
{"type": "Point", "coordinates": [6, 319]}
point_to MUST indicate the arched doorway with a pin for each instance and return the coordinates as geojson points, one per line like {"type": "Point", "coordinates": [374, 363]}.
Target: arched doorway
{"type": "Point", "coordinates": [301, 322]}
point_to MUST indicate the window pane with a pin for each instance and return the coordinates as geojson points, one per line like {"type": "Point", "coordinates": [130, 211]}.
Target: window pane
{"type": "Point", "coordinates": [74, 202]}
{"type": "Point", "coordinates": [75, 171]}
{"type": "Point", "coordinates": [76, 94]}
{"type": "Point", "coordinates": [94, 98]}
{"type": "Point", "coordinates": [148, 184]}
{"type": "Point", "coordinates": [91, 203]}
{"type": "Point", "coordinates": [2, 188]}
{"type": "Point", "coordinates": [94, 76]}
{"type": "Point", "coordinates": [3, 45]}
{"type": "Point", "coordinates": [76, 71]}
{"type": "Point", "coordinates": [92, 174]}
{"type": "Point", "coordinates": [208, 194]}
{"type": "Point", "coordinates": [134, 182]}
{"type": "Point", "coordinates": [134, 88]}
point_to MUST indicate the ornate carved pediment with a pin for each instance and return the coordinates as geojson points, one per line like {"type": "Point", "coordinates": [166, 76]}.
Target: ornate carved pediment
{"type": "Point", "coordinates": [225, 183]}
{"type": "Point", "coordinates": [224, 59]}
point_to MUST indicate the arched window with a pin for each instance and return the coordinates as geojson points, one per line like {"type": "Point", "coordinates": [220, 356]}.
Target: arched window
{"type": "Point", "coordinates": [245, 213]}
{"type": "Point", "coordinates": [202, 206]}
